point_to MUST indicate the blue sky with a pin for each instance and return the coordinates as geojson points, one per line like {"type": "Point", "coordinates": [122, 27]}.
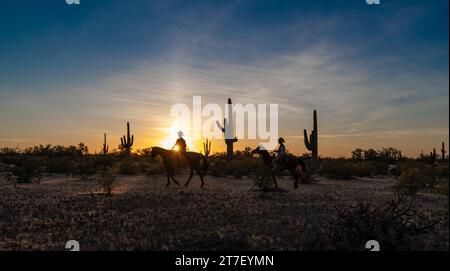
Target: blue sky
{"type": "Point", "coordinates": [377, 74]}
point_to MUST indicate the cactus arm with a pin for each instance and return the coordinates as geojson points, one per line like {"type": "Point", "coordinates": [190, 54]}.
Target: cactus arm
{"type": "Point", "coordinates": [220, 126]}
{"type": "Point", "coordinates": [307, 142]}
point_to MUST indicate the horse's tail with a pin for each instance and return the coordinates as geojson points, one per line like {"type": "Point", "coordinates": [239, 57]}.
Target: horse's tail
{"type": "Point", "coordinates": [205, 164]}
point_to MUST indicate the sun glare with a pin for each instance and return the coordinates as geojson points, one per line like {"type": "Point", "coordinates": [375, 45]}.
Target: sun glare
{"type": "Point", "coordinates": [171, 136]}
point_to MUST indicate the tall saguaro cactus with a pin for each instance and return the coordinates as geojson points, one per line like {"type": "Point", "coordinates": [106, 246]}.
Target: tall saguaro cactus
{"type": "Point", "coordinates": [443, 152]}
{"type": "Point", "coordinates": [105, 147]}
{"type": "Point", "coordinates": [311, 142]}
{"type": "Point", "coordinates": [207, 147]}
{"type": "Point", "coordinates": [228, 130]}
{"type": "Point", "coordinates": [127, 141]}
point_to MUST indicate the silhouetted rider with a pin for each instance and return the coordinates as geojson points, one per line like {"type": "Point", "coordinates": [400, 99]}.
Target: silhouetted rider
{"type": "Point", "coordinates": [181, 144]}
{"type": "Point", "coordinates": [280, 157]}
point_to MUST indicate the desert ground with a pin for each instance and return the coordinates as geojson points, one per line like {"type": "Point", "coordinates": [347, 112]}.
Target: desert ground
{"type": "Point", "coordinates": [227, 214]}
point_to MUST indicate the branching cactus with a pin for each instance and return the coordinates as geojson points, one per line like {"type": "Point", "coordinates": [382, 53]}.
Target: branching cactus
{"type": "Point", "coordinates": [443, 152]}
{"type": "Point", "coordinates": [311, 142]}
{"type": "Point", "coordinates": [127, 141]}
{"type": "Point", "coordinates": [105, 148]}
{"type": "Point", "coordinates": [228, 130]}
{"type": "Point", "coordinates": [207, 147]}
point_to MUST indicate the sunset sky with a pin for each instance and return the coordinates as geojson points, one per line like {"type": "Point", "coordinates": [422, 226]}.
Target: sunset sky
{"type": "Point", "coordinates": [377, 74]}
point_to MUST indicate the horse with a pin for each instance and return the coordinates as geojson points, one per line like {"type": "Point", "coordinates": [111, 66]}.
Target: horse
{"type": "Point", "coordinates": [294, 165]}
{"type": "Point", "coordinates": [197, 162]}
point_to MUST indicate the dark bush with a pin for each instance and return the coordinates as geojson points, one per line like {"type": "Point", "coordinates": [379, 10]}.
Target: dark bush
{"type": "Point", "coordinates": [128, 167]}
{"type": "Point", "coordinates": [84, 167]}
{"type": "Point", "coordinates": [363, 169]}
{"type": "Point", "coordinates": [27, 169]}
{"type": "Point", "coordinates": [335, 168]}
{"type": "Point", "coordinates": [60, 165]}
{"type": "Point", "coordinates": [156, 169]}
{"type": "Point", "coordinates": [396, 224]}
{"type": "Point", "coordinates": [415, 179]}
{"type": "Point", "coordinates": [238, 167]}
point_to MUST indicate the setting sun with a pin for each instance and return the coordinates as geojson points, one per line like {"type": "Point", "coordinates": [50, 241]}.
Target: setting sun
{"type": "Point", "coordinates": [172, 135]}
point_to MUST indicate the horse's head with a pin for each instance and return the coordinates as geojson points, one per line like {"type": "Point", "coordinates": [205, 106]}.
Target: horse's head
{"type": "Point", "coordinates": [257, 150]}
{"type": "Point", "coordinates": [260, 150]}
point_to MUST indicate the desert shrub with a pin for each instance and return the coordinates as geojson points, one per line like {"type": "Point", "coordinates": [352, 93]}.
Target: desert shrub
{"type": "Point", "coordinates": [440, 170]}
{"type": "Point", "coordinates": [335, 168]}
{"type": "Point", "coordinates": [363, 169]}
{"type": "Point", "coordinates": [3, 167]}
{"type": "Point", "coordinates": [396, 224]}
{"type": "Point", "coordinates": [415, 179]}
{"type": "Point", "coordinates": [144, 165]}
{"type": "Point", "coordinates": [238, 167]}
{"type": "Point", "coordinates": [264, 178]}
{"type": "Point", "coordinates": [128, 167]}
{"type": "Point", "coordinates": [103, 161]}
{"type": "Point", "coordinates": [11, 179]}
{"type": "Point", "coordinates": [442, 187]}
{"type": "Point", "coordinates": [216, 167]}
{"type": "Point", "coordinates": [27, 169]}
{"type": "Point", "coordinates": [415, 176]}
{"type": "Point", "coordinates": [84, 167]}
{"type": "Point", "coordinates": [381, 167]}
{"type": "Point", "coordinates": [60, 165]}
{"type": "Point", "coordinates": [155, 169]}
{"type": "Point", "coordinates": [106, 178]}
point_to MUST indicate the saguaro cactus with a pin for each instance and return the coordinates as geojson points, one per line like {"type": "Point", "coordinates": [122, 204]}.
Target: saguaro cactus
{"type": "Point", "coordinates": [127, 141]}
{"type": "Point", "coordinates": [443, 152]}
{"type": "Point", "coordinates": [228, 130]}
{"type": "Point", "coordinates": [311, 142]}
{"type": "Point", "coordinates": [207, 147]}
{"type": "Point", "coordinates": [105, 147]}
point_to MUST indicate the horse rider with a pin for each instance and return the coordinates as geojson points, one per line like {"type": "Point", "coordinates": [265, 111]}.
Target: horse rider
{"type": "Point", "coordinates": [280, 157]}
{"type": "Point", "coordinates": [181, 144]}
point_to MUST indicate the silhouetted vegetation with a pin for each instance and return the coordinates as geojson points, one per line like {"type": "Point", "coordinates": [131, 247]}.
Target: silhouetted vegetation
{"type": "Point", "coordinates": [396, 223]}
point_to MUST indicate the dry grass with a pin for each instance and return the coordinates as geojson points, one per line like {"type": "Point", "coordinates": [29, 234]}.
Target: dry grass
{"type": "Point", "coordinates": [228, 214]}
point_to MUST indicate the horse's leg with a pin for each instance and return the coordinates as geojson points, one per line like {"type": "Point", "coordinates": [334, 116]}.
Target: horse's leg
{"type": "Point", "coordinates": [201, 177]}
{"type": "Point", "coordinates": [173, 179]}
{"type": "Point", "coordinates": [274, 179]}
{"type": "Point", "coordinates": [295, 175]}
{"type": "Point", "coordinates": [190, 177]}
{"type": "Point", "coordinates": [168, 178]}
